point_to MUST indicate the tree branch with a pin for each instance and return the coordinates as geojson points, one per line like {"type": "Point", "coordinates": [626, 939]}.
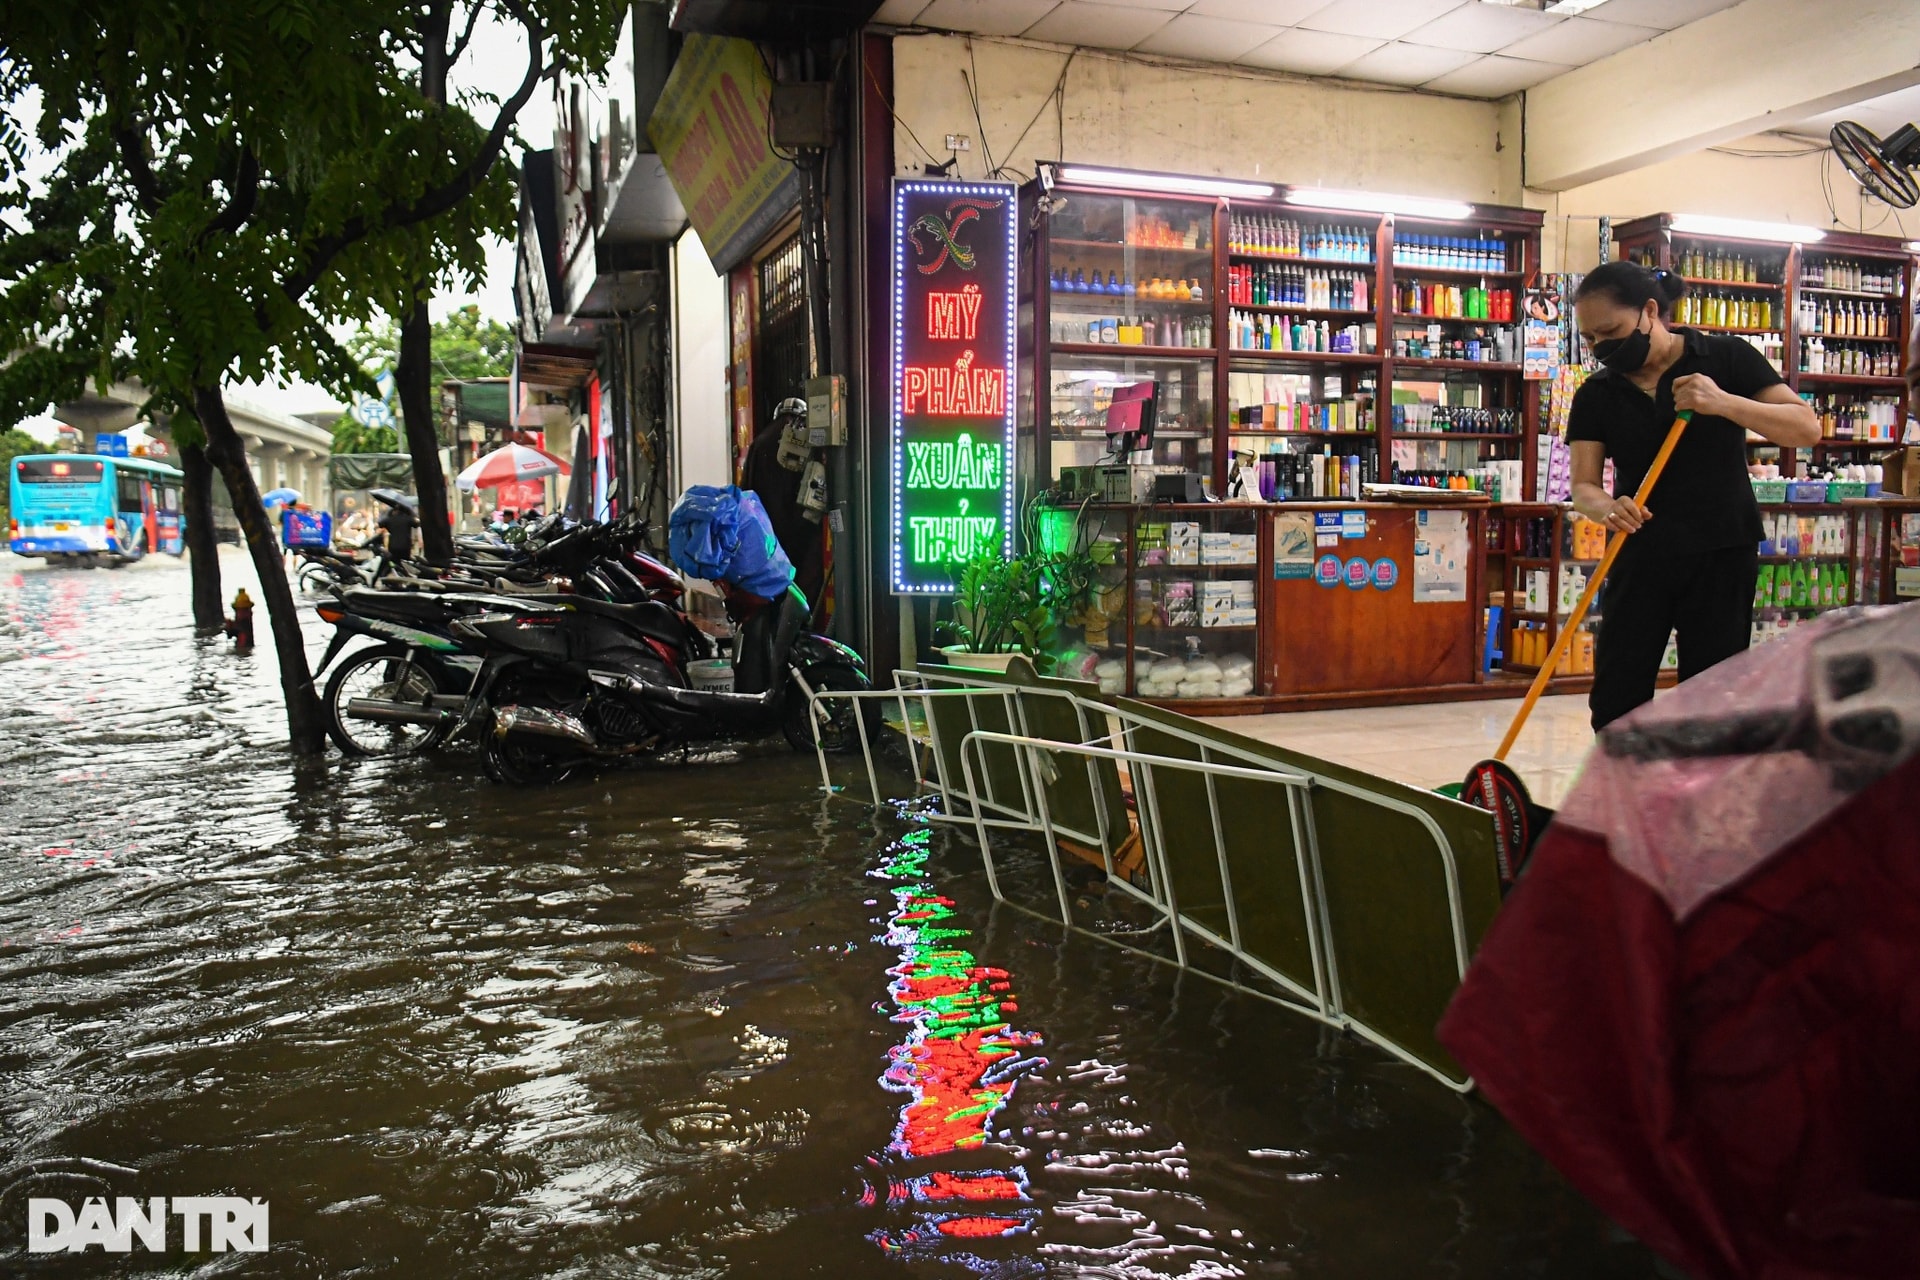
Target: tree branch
{"type": "Point", "coordinates": [246, 191]}
{"type": "Point", "coordinates": [133, 154]}
{"type": "Point", "coordinates": [442, 198]}
{"type": "Point", "coordinates": [460, 45]}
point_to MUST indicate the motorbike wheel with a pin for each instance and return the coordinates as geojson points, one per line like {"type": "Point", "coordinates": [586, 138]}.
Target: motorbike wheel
{"type": "Point", "coordinates": [315, 578]}
{"type": "Point", "coordinates": [379, 672]}
{"type": "Point", "coordinates": [518, 765]}
{"type": "Point", "coordinates": [840, 732]}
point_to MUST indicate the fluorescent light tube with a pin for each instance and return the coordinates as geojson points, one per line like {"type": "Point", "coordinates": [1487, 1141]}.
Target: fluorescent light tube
{"type": "Point", "coordinates": [1375, 202]}
{"type": "Point", "coordinates": [1075, 174]}
{"type": "Point", "coordinates": [1702, 224]}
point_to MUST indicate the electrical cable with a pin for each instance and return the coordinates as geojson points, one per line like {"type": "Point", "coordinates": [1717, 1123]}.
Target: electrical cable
{"type": "Point", "coordinates": [1056, 96]}
{"type": "Point", "coordinates": [882, 95]}
{"type": "Point", "coordinates": [973, 95]}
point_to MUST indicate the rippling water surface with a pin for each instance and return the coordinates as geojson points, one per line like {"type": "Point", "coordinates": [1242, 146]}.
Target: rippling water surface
{"type": "Point", "coordinates": [694, 1021]}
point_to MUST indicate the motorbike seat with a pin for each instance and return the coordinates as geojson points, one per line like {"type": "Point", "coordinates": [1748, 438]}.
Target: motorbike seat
{"type": "Point", "coordinates": [647, 617]}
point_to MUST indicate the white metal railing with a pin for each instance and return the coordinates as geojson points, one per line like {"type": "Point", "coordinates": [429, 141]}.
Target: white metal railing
{"type": "Point", "coordinates": [1106, 737]}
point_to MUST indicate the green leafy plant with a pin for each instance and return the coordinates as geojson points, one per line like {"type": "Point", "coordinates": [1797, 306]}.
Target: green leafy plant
{"type": "Point", "coordinates": [1001, 607]}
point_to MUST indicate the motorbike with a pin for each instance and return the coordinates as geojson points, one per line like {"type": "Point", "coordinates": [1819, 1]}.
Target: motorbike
{"type": "Point", "coordinates": [405, 694]}
{"type": "Point", "coordinates": [566, 685]}
{"type": "Point", "coordinates": [321, 568]}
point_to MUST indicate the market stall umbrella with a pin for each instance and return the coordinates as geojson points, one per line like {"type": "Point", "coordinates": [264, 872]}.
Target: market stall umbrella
{"type": "Point", "coordinates": [395, 498]}
{"type": "Point", "coordinates": [508, 463]}
{"type": "Point", "coordinates": [1699, 999]}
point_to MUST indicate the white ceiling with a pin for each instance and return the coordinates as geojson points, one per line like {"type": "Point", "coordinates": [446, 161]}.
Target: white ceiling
{"type": "Point", "coordinates": [1882, 115]}
{"type": "Point", "coordinates": [1454, 46]}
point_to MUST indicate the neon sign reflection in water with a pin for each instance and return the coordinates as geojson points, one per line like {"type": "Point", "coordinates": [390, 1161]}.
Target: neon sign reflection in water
{"type": "Point", "coordinates": [958, 1065]}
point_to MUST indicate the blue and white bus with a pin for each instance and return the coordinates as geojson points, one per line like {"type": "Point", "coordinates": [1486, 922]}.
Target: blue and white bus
{"type": "Point", "coordinates": [90, 507]}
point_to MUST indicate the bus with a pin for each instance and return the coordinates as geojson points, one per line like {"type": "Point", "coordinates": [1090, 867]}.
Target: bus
{"type": "Point", "coordinates": [87, 508]}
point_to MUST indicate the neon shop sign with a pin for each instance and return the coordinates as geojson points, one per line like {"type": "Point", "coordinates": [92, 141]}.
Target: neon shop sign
{"type": "Point", "coordinates": [953, 370]}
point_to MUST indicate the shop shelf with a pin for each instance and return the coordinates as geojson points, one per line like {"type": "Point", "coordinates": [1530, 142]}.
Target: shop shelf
{"type": "Point", "coordinates": [1094, 303]}
{"type": "Point", "coordinates": [1195, 627]}
{"type": "Point", "coordinates": [1321, 357]}
{"type": "Point", "coordinates": [1414, 317]}
{"type": "Point", "coordinates": [1475, 366]}
{"type": "Point", "coordinates": [1548, 561]}
{"type": "Point", "coordinates": [1849, 293]}
{"type": "Point", "coordinates": [1834, 442]}
{"type": "Point", "coordinates": [1199, 251]}
{"type": "Point", "coordinates": [1727, 328]}
{"type": "Point", "coordinates": [1855, 380]}
{"type": "Point", "coordinates": [1281, 309]}
{"type": "Point", "coordinates": [1593, 615]}
{"type": "Point", "coordinates": [1455, 273]}
{"type": "Point", "coordinates": [1111, 349]}
{"type": "Point", "coordinates": [1805, 559]}
{"type": "Point", "coordinates": [1286, 261]}
{"type": "Point", "coordinates": [1157, 435]}
{"type": "Point", "coordinates": [1842, 337]}
{"type": "Point", "coordinates": [1245, 567]}
{"type": "Point", "coordinates": [1761, 286]}
{"type": "Point", "coordinates": [1457, 435]}
{"type": "Point", "coordinates": [1367, 435]}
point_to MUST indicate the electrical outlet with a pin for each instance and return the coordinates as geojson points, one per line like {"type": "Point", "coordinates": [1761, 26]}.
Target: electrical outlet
{"type": "Point", "coordinates": [959, 142]}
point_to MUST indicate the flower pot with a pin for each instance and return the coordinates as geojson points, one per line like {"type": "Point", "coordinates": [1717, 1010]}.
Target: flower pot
{"type": "Point", "coordinates": [959, 656]}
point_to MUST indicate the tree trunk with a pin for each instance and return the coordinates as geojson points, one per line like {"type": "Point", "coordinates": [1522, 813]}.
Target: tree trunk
{"type": "Point", "coordinates": [305, 731]}
{"type": "Point", "coordinates": [203, 548]}
{"type": "Point", "coordinates": [414, 377]}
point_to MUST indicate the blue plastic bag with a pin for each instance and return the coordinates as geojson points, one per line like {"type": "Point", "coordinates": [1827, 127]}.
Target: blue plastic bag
{"type": "Point", "coordinates": [723, 534]}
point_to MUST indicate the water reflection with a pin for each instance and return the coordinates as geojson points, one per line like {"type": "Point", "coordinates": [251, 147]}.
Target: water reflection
{"type": "Point", "coordinates": [631, 1026]}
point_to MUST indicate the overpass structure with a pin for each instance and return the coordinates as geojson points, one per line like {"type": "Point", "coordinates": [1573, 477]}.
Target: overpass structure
{"type": "Point", "coordinates": [284, 451]}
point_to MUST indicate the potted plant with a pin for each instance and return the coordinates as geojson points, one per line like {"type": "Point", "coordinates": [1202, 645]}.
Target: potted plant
{"type": "Point", "coordinates": [1000, 612]}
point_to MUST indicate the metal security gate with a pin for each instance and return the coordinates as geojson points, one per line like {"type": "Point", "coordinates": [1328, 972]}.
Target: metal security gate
{"type": "Point", "coordinates": [786, 356]}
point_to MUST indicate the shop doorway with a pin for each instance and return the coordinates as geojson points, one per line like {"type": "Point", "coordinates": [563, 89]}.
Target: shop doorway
{"type": "Point", "coordinates": [786, 355]}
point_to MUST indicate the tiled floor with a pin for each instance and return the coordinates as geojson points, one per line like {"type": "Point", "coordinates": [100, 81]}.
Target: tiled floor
{"type": "Point", "coordinates": [1436, 743]}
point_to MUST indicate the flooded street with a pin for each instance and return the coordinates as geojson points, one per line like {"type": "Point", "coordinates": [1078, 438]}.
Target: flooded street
{"type": "Point", "coordinates": [693, 1021]}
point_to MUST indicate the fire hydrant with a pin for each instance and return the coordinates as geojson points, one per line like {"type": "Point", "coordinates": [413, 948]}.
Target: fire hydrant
{"type": "Point", "coordinates": [241, 625]}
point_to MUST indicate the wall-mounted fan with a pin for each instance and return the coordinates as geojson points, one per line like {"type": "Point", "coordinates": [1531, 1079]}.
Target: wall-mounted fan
{"type": "Point", "coordinates": [1882, 166]}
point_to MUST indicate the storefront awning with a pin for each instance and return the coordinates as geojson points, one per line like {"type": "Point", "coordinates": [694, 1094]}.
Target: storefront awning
{"type": "Point", "coordinates": [554, 368]}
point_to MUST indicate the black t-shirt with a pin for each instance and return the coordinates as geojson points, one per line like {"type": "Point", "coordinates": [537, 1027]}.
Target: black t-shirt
{"type": "Point", "coordinates": [1704, 500]}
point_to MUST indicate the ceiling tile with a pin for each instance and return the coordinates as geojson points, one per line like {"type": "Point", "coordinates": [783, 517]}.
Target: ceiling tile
{"type": "Point", "coordinates": [1206, 39]}
{"type": "Point", "coordinates": [1495, 77]}
{"type": "Point", "coordinates": [1165, 6]}
{"type": "Point", "coordinates": [1481, 28]}
{"type": "Point", "coordinates": [1578, 41]}
{"type": "Point", "coordinates": [1381, 19]}
{"type": "Point", "coordinates": [1405, 64]}
{"type": "Point", "coordinates": [1665, 14]}
{"type": "Point", "coordinates": [985, 17]}
{"type": "Point", "coordinates": [1098, 26]}
{"type": "Point", "coordinates": [900, 12]}
{"type": "Point", "coordinates": [1275, 13]}
{"type": "Point", "coordinates": [1309, 53]}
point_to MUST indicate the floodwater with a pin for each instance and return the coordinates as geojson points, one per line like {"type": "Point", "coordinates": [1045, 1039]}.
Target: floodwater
{"type": "Point", "coordinates": [693, 1021]}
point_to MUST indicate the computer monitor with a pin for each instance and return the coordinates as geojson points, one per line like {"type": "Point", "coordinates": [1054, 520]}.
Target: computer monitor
{"type": "Point", "coordinates": [1130, 417]}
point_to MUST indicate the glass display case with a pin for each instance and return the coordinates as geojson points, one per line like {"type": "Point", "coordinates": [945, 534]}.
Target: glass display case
{"type": "Point", "coordinates": [1128, 297]}
{"type": "Point", "coordinates": [1194, 624]}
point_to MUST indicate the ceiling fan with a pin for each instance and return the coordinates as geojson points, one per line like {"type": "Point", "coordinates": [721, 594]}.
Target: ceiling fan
{"type": "Point", "coordinates": [1884, 166]}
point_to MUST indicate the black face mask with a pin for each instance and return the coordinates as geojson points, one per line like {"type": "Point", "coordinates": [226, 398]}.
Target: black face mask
{"type": "Point", "coordinates": [1625, 355]}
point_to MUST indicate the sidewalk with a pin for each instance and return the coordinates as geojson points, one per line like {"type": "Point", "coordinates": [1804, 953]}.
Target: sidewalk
{"type": "Point", "coordinates": [1436, 743]}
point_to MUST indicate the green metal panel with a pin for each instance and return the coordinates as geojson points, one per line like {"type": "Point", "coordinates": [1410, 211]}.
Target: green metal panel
{"type": "Point", "coordinates": [1074, 799]}
{"type": "Point", "coordinates": [1262, 859]}
{"type": "Point", "coordinates": [1385, 888]}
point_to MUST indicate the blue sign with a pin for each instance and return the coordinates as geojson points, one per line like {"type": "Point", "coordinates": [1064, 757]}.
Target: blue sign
{"type": "Point", "coordinates": [1326, 522]}
{"type": "Point", "coordinates": [1326, 571]}
{"type": "Point", "coordinates": [1386, 574]}
{"type": "Point", "coordinates": [1359, 573]}
{"type": "Point", "coordinates": [1353, 524]}
{"type": "Point", "coordinates": [113, 446]}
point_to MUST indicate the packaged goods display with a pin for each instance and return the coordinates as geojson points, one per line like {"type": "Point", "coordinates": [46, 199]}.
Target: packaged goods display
{"type": "Point", "coordinates": [1260, 235]}
{"type": "Point", "coordinates": [1452, 252]}
{"type": "Point", "coordinates": [1843, 274]}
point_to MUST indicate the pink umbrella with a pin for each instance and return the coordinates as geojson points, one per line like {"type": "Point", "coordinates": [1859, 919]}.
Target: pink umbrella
{"type": "Point", "coordinates": [508, 463]}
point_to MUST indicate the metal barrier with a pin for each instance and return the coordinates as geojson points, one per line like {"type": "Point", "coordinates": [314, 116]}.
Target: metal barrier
{"type": "Point", "coordinates": [1328, 929]}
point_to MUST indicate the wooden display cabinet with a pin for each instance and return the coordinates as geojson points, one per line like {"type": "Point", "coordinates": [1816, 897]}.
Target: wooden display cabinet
{"type": "Point", "coordinates": [1820, 300]}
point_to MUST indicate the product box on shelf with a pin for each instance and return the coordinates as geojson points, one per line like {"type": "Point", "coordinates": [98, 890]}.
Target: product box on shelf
{"type": "Point", "coordinates": [1183, 542]}
{"type": "Point", "coordinates": [1902, 472]}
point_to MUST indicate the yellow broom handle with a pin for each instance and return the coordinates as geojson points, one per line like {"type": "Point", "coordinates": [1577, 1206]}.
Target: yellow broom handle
{"type": "Point", "coordinates": [1564, 640]}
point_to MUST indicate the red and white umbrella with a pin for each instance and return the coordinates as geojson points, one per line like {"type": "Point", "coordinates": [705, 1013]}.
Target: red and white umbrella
{"type": "Point", "coordinates": [508, 463]}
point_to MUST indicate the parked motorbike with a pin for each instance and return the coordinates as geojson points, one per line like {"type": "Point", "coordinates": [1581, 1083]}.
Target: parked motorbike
{"type": "Point", "coordinates": [405, 694]}
{"type": "Point", "coordinates": [321, 568]}
{"type": "Point", "coordinates": [565, 685]}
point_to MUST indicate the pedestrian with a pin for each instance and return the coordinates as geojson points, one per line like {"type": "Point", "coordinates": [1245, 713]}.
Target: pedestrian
{"type": "Point", "coordinates": [1690, 561]}
{"type": "Point", "coordinates": [775, 480]}
{"type": "Point", "coordinates": [355, 527]}
{"type": "Point", "coordinates": [397, 524]}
